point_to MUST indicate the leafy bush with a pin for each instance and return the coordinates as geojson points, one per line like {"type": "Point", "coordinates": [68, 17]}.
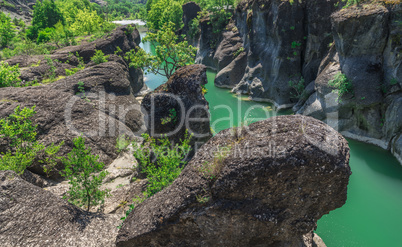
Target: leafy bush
{"type": "Point", "coordinates": [122, 143]}
{"type": "Point", "coordinates": [20, 134]}
{"type": "Point", "coordinates": [7, 30]}
{"type": "Point", "coordinates": [238, 51]}
{"type": "Point", "coordinates": [45, 35]}
{"type": "Point", "coordinates": [45, 14]}
{"type": "Point", "coordinates": [161, 162]}
{"type": "Point", "coordinates": [194, 28]}
{"type": "Point", "coordinates": [80, 166]}
{"type": "Point", "coordinates": [168, 162]}
{"type": "Point", "coordinates": [298, 88]}
{"type": "Point", "coordinates": [342, 85]}
{"type": "Point", "coordinates": [9, 75]}
{"type": "Point", "coordinates": [99, 57]}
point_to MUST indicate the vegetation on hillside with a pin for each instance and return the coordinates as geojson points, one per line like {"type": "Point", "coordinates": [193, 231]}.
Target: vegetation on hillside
{"type": "Point", "coordinates": [161, 162]}
{"type": "Point", "coordinates": [19, 133]}
{"type": "Point", "coordinates": [55, 23]}
{"type": "Point", "coordinates": [169, 56]}
{"type": "Point", "coordinates": [161, 12]}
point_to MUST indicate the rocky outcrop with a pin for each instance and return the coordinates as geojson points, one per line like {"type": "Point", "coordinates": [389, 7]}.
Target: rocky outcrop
{"type": "Point", "coordinates": [104, 109]}
{"type": "Point", "coordinates": [265, 185]}
{"type": "Point", "coordinates": [20, 9]}
{"type": "Point", "coordinates": [179, 105]}
{"type": "Point", "coordinates": [31, 216]}
{"type": "Point", "coordinates": [362, 52]}
{"type": "Point", "coordinates": [39, 67]}
{"type": "Point", "coordinates": [310, 42]}
{"type": "Point", "coordinates": [190, 12]}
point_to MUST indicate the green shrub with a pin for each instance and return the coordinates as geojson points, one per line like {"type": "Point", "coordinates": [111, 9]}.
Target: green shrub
{"type": "Point", "coordinates": [167, 166]}
{"type": "Point", "coordinates": [7, 30]}
{"type": "Point", "coordinates": [20, 134]}
{"type": "Point", "coordinates": [122, 143]}
{"type": "Point", "coordinates": [341, 84]}
{"type": "Point", "coordinates": [80, 166]}
{"type": "Point", "coordinates": [297, 88]}
{"type": "Point", "coordinates": [9, 75]}
{"type": "Point", "coordinates": [99, 57]}
{"type": "Point", "coordinates": [238, 51]}
{"type": "Point", "coordinates": [72, 71]}
{"type": "Point", "coordinates": [194, 28]}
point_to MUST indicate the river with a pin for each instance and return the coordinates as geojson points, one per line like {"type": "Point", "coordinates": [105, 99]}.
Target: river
{"type": "Point", "coordinates": [372, 215]}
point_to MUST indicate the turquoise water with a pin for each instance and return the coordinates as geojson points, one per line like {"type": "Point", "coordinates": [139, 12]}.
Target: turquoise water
{"type": "Point", "coordinates": [372, 215]}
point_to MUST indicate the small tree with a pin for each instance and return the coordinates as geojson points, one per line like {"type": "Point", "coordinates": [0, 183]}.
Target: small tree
{"type": "Point", "coordinates": [169, 56]}
{"type": "Point", "coordinates": [20, 134]}
{"type": "Point", "coordinates": [80, 165]}
{"type": "Point", "coordinates": [7, 30]}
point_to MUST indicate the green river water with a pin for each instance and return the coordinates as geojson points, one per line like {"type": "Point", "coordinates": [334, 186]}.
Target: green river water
{"type": "Point", "coordinates": [372, 215]}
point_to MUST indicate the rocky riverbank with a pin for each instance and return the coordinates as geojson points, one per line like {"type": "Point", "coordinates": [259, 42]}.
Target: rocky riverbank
{"type": "Point", "coordinates": [270, 46]}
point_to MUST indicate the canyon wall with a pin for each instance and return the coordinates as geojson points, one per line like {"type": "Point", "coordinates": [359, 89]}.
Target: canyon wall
{"type": "Point", "coordinates": [269, 45]}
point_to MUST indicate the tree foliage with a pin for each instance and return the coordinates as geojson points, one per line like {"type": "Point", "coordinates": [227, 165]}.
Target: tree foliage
{"type": "Point", "coordinates": [9, 75]}
{"type": "Point", "coordinates": [80, 169]}
{"type": "Point", "coordinates": [162, 12]}
{"type": "Point", "coordinates": [161, 162]}
{"type": "Point", "coordinates": [23, 148]}
{"type": "Point", "coordinates": [7, 30]}
{"type": "Point", "coordinates": [169, 56]}
{"type": "Point", "coordinates": [45, 14]}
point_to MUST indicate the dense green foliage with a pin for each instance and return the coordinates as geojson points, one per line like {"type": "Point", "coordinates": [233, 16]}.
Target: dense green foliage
{"type": "Point", "coordinates": [341, 84]}
{"type": "Point", "coordinates": [55, 24]}
{"type": "Point", "coordinates": [170, 54]}
{"type": "Point", "coordinates": [163, 12]}
{"type": "Point", "coordinates": [129, 9]}
{"type": "Point", "coordinates": [9, 75]}
{"type": "Point", "coordinates": [45, 15]}
{"type": "Point", "coordinates": [161, 162]}
{"type": "Point", "coordinates": [99, 57]}
{"type": "Point", "coordinates": [23, 148]}
{"type": "Point", "coordinates": [7, 30]}
{"type": "Point", "coordinates": [80, 169]}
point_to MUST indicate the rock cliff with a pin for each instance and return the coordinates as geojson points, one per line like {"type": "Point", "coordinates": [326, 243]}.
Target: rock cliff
{"type": "Point", "coordinates": [264, 185]}
{"type": "Point", "coordinates": [270, 43]}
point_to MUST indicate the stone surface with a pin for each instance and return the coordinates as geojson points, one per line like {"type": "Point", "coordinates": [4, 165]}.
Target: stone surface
{"type": "Point", "coordinates": [106, 110]}
{"type": "Point", "coordinates": [37, 67]}
{"type": "Point", "coordinates": [174, 106]}
{"type": "Point", "coordinates": [31, 216]}
{"type": "Point", "coordinates": [274, 180]}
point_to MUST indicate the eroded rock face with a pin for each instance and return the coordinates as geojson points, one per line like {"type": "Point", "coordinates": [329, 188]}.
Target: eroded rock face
{"type": "Point", "coordinates": [310, 42]}
{"type": "Point", "coordinates": [103, 110]}
{"type": "Point", "coordinates": [365, 54]}
{"type": "Point", "coordinates": [38, 67]}
{"type": "Point", "coordinates": [272, 183]}
{"type": "Point", "coordinates": [178, 105]}
{"type": "Point", "coordinates": [31, 216]}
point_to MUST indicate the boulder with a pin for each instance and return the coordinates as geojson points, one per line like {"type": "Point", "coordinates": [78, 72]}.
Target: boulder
{"type": "Point", "coordinates": [179, 105]}
{"type": "Point", "coordinates": [190, 11]}
{"type": "Point", "coordinates": [31, 216]}
{"type": "Point", "coordinates": [38, 67]}
{"type": "Point", "coordinates": [104, 109]}
{"type": "Point", "coordinates": [263, 185]}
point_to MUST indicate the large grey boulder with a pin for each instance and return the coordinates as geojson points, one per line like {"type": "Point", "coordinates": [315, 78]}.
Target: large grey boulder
{"type": "Point", "coordinates": [266, 185]}
{"type": "Point", "coordinates": [105, 109]}
{"type": "Point", "coordinates": [179, 105]}
{"type": "Point", "coordinates": [31, 216]}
